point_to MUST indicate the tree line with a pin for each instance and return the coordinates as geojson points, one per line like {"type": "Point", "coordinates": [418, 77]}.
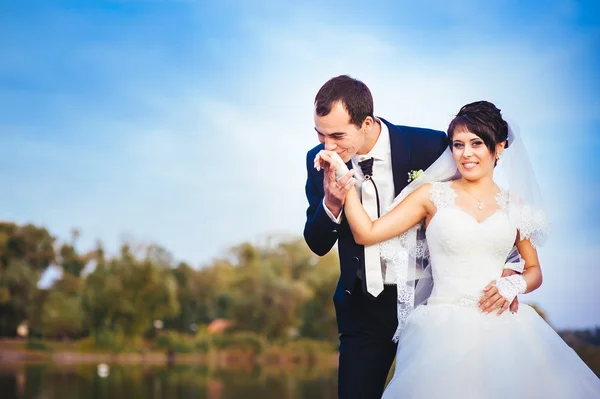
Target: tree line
{"type": "Point", "coordinates": [278, 290]}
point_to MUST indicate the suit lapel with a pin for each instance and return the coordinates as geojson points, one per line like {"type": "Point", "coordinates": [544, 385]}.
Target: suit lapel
{"type": "Point", "coordinates": [400, 156]}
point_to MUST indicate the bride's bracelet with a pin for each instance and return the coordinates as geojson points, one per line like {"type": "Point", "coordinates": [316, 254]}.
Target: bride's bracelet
{"type": "Point", "coordinates": [511, 286]}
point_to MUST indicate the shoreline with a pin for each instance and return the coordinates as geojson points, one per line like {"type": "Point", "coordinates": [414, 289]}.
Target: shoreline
{"type": "Point", "coordinates": [15, 357]}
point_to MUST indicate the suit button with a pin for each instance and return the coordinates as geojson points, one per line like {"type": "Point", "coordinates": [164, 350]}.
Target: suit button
{"type": "Point", "coordinates": [348, 292]}
{"type": "Point", "coordinates": [355, 259]}
{"type": "Point", "coordinates": [334, 231]}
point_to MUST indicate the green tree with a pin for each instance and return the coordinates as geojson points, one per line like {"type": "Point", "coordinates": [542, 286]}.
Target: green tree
{"type": "Point", "coordinates": [25, 252]}
{"type": "Point", "coordinates": [57, 311]}
{"type": "Point", "coordinates": [70, 261]}
{"type": "Point", "coordinates": [264, 300]}
{"type": "Point", "coordinates": [318, 314]}
{"type": "Point", "coordinates": [62, 315]}
{"type": "Point", "coordinates": [125, 294]}
{"type": "Point", "coordinates": [29, 243]}
{"type": "Point", "coordinates": [18, 289]}
{"type": "Point", "coordinates": [202, 294]}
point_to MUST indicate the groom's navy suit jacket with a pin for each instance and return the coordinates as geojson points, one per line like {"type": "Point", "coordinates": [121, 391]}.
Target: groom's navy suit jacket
{"type": "Point", "coordinates": [412, 149]}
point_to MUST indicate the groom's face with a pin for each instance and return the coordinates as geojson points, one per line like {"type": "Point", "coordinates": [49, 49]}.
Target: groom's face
{"type": "Point", "coordinates": [337, 134]}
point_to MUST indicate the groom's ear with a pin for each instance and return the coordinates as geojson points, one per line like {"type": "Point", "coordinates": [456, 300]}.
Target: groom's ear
{"type": "Point", "coordinates": [367, 123]}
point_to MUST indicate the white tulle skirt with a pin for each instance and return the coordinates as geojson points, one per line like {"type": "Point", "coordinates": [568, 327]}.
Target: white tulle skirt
{"type": "Point", "coordinates": [450, 351]}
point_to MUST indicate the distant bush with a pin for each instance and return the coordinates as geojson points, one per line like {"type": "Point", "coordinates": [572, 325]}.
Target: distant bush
{"type": "Point", "coordinates": [175, 342]}
{"type": "Point", "coordinates": [310, 348]}
{"type": "Point", "coordinates": [37, 345]}
{"type": "Point", "coordinates": [587, 345]}
{"type": "Point", "coordinates": [107, 341]}
{"type": "Point", "coordinates": [102, 340]}
{"type": "Point", "coordinates": [87, 345]}
{"type": "Point", "coordinates": [240, 340]}
{"type": "Point", "coordinates": [203, 343]}
{"type": "Point", "coordinates": [163, 341]}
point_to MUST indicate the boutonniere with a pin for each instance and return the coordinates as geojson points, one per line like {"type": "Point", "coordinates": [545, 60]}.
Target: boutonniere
{"type": "Point", "coordinates": [414, 174]}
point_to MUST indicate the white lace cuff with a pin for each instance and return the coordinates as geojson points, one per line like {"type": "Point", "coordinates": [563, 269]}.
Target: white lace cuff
{"type": "Point", "coordinates": [511, 286]}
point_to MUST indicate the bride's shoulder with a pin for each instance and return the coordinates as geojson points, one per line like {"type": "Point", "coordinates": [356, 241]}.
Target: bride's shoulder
{"type": "Point", "coordinates": [441, 194]}
{"type": "Point", "coordinates": [441, 188]}
{"type": "Point", "coordinates": [435, 188]}
{"type": "Point", "coordinates": [419, 195]}
{"type": "Point", "coordinates": [424, 190]}
{"type": "Point", "coordinates": [434, 192]}
{"type": "Point", "coordinates": [420, 192]}
{"type": "Point", "coordinates": [442, 185]}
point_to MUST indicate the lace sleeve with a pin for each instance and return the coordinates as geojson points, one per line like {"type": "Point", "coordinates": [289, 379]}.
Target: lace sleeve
{"type": "Point", "coordinates": [534, 226]}
{"type": "Point", "coordinates": [531, 221]}
{"type": "Point", "coordinates": [442, 195]}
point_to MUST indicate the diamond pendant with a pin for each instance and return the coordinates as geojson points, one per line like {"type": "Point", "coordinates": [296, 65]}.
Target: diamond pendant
{"type": "Point", "coordinates": [479, 205]}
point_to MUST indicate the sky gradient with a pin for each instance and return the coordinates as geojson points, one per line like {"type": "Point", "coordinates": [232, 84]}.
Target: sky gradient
{"type": "Point", "coordinates": [186, 123]}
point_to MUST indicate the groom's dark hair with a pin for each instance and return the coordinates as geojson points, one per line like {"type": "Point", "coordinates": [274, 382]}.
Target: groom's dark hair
{"type": "Point", "coordinates": [354, 95]}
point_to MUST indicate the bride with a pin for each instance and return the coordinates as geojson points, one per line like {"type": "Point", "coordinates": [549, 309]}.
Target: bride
{"type": "Point", "coordinates": [456, 340]}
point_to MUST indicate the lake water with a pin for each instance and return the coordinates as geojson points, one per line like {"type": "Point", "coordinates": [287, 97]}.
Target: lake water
{"type": "Point", "coordinates": [179, 381]}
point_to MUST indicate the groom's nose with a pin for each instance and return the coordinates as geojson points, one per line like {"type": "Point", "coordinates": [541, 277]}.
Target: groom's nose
{"type": "Point", "coordinates": [330, 144]}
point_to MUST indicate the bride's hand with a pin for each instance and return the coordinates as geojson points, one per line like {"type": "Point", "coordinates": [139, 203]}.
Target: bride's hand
{"type": "Point", "coordinates": [501, 292]}
{"type": "Point", "coordinates": [492, 300]}
{"type": "Point", "coordinates": [331, 159]}
{"type": "Point", "coordinates": [323, 159]}
{"type": "Point", "coordinates": [514, 306]}
{"type": "Point", "coordinates": [335, 187]}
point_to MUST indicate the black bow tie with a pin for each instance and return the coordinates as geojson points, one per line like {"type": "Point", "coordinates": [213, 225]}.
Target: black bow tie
{"type": "Point", "coordinates": [367, 167]}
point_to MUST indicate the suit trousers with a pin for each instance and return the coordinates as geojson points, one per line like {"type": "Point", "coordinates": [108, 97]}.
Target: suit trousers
{"type": "Point", "coordinates": [366, 347]}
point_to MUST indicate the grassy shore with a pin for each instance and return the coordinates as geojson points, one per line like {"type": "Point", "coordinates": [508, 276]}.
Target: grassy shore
{"type": "Point", "coordinates": [233, 354]}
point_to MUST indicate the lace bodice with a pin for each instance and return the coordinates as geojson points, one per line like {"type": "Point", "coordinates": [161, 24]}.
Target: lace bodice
{"type": "Point", "coordinates": [466, 254]}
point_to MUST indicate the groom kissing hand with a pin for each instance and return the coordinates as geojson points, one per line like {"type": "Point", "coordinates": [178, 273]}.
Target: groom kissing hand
{"type": "Point", "coordinates": [380, 156]}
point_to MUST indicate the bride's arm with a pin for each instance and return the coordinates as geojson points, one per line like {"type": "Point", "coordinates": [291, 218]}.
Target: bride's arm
{"type": "Point", "coordinates": [405, 215]}
{"type": "Point", "coordinates": [500, 293]}
{"type": "Point", "coordinates": [409, 212]}
{"type": "Point", "coordinates": [532, 273]}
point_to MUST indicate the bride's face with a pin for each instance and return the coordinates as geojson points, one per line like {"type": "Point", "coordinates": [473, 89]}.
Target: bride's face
{"type": "Point", "coordinates": [472, 156]}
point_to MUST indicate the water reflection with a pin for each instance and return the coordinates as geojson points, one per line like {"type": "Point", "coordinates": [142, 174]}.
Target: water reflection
{"type": "Point", "coordinates": [179, 381]}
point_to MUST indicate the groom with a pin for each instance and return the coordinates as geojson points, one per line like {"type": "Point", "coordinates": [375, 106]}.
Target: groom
{"type": "Point", "coordinates": [382, 155]}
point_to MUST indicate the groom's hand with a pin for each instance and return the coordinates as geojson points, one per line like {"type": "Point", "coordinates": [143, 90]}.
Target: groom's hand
{"type": "Point", "coordinates": [335, 191]}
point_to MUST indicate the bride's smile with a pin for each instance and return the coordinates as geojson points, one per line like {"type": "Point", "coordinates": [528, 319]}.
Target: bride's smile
{"type": "Point", "coordinates": [474, 158]}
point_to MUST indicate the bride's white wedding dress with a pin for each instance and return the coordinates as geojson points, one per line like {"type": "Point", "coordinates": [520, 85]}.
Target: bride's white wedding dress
{"type": "Point", "coordinates": [449, 349]}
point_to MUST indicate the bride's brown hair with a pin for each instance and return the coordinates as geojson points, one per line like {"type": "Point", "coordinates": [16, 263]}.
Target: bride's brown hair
{"type": "Point", "coordinates": [483, 119]}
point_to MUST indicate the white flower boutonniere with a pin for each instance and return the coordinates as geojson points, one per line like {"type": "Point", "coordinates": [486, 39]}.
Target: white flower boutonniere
{"type": "Point", "coordinates": [414, 174]}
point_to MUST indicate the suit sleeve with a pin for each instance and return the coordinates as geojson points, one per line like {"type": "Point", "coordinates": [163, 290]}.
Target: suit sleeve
{"type": "Point", "coordinates": [432, 144]}
{"type": "Point", "coordinates": [443, 143]}
{"type": "Point", "coordinates": [320, 232]}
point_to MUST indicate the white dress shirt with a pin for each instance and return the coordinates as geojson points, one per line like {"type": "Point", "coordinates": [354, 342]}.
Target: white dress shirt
{"type": "Point", "coordinates": [383, 178]}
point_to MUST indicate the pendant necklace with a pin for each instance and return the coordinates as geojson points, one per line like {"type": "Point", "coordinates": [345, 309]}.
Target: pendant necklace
{"type": "Point", "coordinates": [479, 202]}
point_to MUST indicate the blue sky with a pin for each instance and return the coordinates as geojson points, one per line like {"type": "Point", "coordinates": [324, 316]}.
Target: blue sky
{"type": "Point", "coordinates": [186, 123]}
